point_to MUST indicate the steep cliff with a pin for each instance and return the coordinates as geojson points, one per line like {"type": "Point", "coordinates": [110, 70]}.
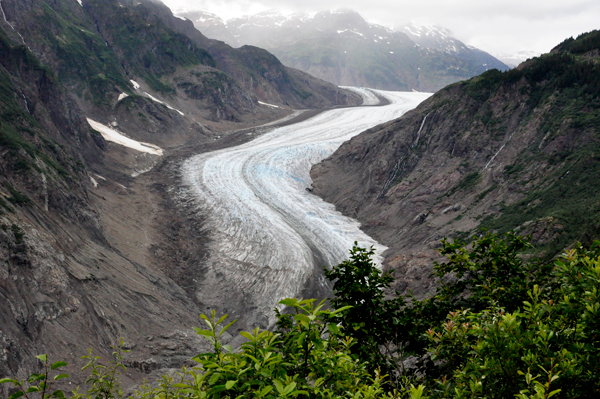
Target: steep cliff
{"type": "Point", "coordinates": [514, 150]}
{"type": "Point", "coordinates": [136, 52]}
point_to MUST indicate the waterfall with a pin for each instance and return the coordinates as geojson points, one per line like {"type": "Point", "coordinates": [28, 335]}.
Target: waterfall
{"type": "Point", "coordinates": [13, 28]}
{"type": "Point", "coordinates": [498, 152]}
{"type": "Point", "coordinates": [420, 129]}
{"type": "Point", "coordinates": [26, 103]}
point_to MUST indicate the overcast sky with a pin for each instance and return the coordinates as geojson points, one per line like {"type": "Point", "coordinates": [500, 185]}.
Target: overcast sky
{"type": "Point", "coordinates": [496, 26]}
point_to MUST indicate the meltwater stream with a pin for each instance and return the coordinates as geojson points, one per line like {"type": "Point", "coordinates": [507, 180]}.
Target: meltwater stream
{"type": "Point", "coordinates": [267, 231]}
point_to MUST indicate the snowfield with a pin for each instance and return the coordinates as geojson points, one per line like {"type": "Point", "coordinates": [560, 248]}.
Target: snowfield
{"type": "Point", "coordinates": [268, 231]}
{"type": "Point", "coordinates": [116, 137]}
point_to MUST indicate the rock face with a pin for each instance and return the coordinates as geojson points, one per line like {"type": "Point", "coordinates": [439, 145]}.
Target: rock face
{"type": "Point", "coordinates": [342, 48]}
{"type": "Point", "coordinates": [515, 150]}
{"type": "Point", "coordinates": [64, 287]}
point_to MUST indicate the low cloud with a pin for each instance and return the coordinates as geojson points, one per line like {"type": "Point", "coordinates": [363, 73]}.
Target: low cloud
{"type": "Point", "coordinates": [497, 26]}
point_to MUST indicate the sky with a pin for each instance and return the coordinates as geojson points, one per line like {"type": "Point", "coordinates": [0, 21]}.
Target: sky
{"type": "Point", "coordinates": [495, 26]}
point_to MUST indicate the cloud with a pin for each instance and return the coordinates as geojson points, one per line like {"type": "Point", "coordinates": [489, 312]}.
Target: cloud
{"type": "Point", "coordinates": [497, 26]}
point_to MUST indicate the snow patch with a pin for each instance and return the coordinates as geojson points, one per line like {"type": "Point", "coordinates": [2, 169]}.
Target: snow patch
{"type": "Point", "coordinates": [94, 182]}
{"type": "Point", "coordinates": [391, 52]}
{"type": "Point", "coordinates": [269, 105]}
{"type": "Point", "coordinates": [135, 84]}
{"type": "Point", "coordinates": [80, 2]}
{"type": "Point", "coordinates": [181, 18]}
{"type": "Point", "coordinates": [165, 104]}
{"type": "Point", "coordinates": [122, 96]}
{"type": "Point", "coordinates": [116, 137]}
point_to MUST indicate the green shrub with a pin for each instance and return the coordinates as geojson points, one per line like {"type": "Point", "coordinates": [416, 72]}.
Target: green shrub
{"type": "Point", "coordinates": [497, 327]}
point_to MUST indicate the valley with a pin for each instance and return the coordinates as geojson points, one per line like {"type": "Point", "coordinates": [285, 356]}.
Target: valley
{"type": "Point", "coordinates": [269, 236]}
{"type": "Point", "coordinates": [150, 173]}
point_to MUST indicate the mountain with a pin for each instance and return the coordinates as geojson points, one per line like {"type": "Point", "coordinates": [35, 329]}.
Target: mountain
{"type": "Point", "coordinates": [514, 59]}
{"type": "Point", "coordinates": [504, 150]}
{"type": "Point", "coordinates": [343, 48]}
{"type": "Point", "coordinates": [94, 245]}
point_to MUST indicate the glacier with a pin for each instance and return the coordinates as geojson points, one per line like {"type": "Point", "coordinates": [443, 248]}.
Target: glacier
{"type": "Point", "coordinates": [268, 232]}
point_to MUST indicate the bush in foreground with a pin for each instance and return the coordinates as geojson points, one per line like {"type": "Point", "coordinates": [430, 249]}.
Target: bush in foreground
{"type": "Point", "coordinates": [497, 327]}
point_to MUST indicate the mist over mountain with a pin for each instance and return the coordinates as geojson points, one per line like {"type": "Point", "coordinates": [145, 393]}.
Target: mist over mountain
{"type": "Point", "coordinates": [342, 48]}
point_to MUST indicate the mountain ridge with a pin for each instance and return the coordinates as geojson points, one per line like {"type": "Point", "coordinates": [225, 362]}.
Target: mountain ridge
{"type": "Point", "coordinates": [343, 48]}
{"type": "Point", "coordinates": [513, 150]}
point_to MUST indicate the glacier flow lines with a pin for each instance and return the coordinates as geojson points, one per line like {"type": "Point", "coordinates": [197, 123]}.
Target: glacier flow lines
{"type": "Point", "coordinates": [266, 228]}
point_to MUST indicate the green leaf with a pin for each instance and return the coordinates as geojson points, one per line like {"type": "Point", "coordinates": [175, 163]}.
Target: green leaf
{"type": "Point", "coordinates": [222, 318]}
{"type": "Point", "coordinates": [226, 327]}
{"type": "Point", "coordinates": [341, 309]}
{"type": "Point", "coordinates": [43, 357]}
{"type": "Point", "coordinates": [215, 390]}
{"type": "Point", "coordinates": [302, 318]}
{"type": "Point", "coordinates": [265, 391]}
{"type": "Point", "coordinates": [33, 389]}
{"type": "Point", "coordinates": [16, 395]}
{"type": "Point", "coordinates": [289, 302]}
{"type": "Point", "coordinates": [58, 394]}
{"type": "Point", "coordinates": [551, 394]}
{"type": "Point", "coordinates": [229, 384]}
{"type": "Point", "coordinates": [57, 365]}
{"type": "Point", "coordinates": [36, 377]}
{"type": "Point", "coordinates": [206, 333]}
{"type": "Point", "coordinates": [289, 388]}
{"type": "Point", "coordinates": [278, 386]}
{"type": "Point", "coordinates": [5, 380]}
{"type": "Point", "coordinates": [61, 376]}
{"type": "Point", "coordinates": [247, 335]}
{"type": "Point", "coordinates": [214, 378]}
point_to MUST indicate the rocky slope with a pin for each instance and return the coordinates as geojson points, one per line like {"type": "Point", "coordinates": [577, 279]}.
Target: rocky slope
{"type": "Point", "coordinates": [103, 51]}
{"type": "Point", "coordinates": [341, 47]}
{"type": "Point", "coordinates": [64, 286]}
{"type": "Point", "coordinates": [258, 71]}
{"type": "Point", "coordinates": [515, 150]}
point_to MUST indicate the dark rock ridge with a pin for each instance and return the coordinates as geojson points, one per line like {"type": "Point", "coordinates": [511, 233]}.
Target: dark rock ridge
{"type": "Point", "coordinates": [341, 47]}
{"type": "Point", "coordinates": [515, 150]}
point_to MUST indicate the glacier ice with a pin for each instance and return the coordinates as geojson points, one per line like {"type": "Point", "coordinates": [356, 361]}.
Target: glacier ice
{"type": "Point", "coordinates": [266, 228]}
